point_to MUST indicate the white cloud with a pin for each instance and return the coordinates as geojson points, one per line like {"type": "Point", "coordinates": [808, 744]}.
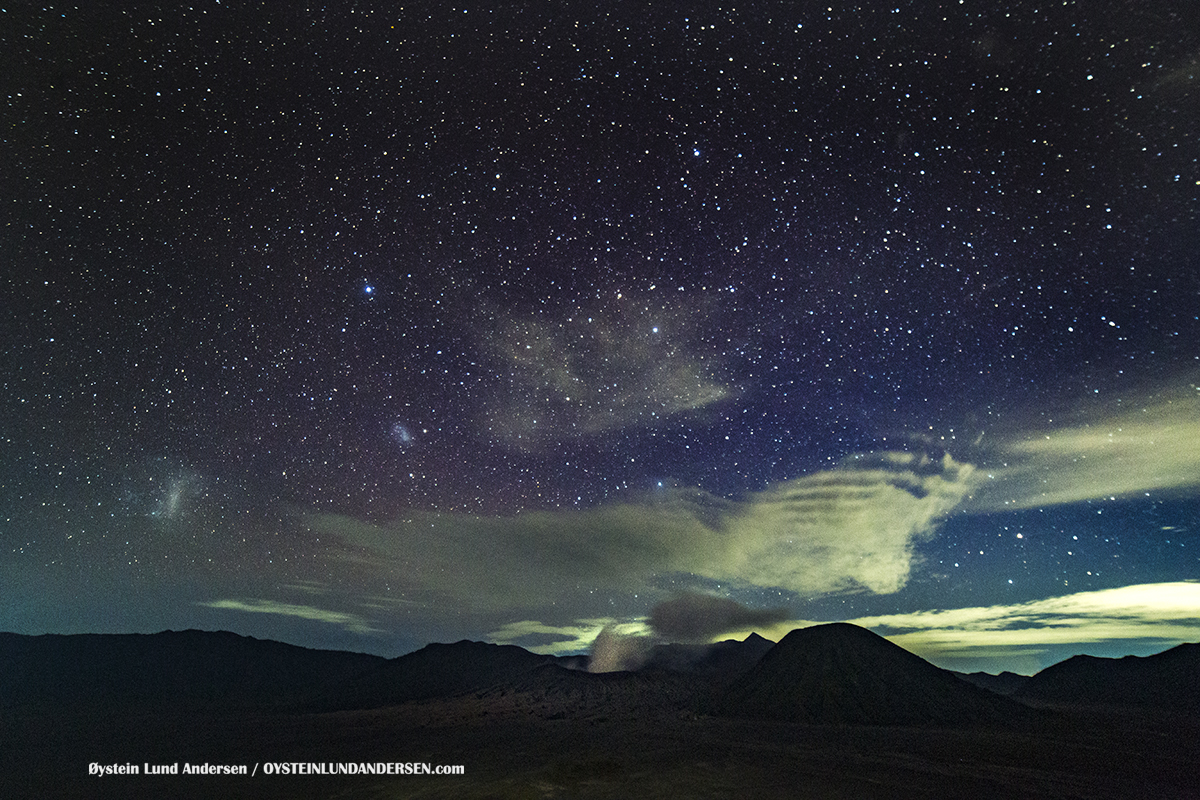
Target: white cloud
{"type": "Point", "coordinates": [845, 528]}
{"type": "Point", "coordinates": [1029, 636]}
{"type": "Point", "coordinates": [575, 638]}
{"type": "Point", "coordinates": [1144, 444]}
{"type": "Point", "coordinates": [854, 528]}
{"type": "Point", "coordinates": [1166, 613]}
{"type": "Point", "coordinates": [351, 622]}
{"type": "Point", "coordinates": [849, 529]}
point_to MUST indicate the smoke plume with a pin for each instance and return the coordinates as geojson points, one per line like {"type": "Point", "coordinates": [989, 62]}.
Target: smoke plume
{"type": "Point", "coordinates": [692, 617]}
{"type": "Point", "coordinates": [615, 652]}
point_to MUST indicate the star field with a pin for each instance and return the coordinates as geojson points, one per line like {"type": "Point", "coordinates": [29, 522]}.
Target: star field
{"type": "Point", "coordinates": [436, 320]}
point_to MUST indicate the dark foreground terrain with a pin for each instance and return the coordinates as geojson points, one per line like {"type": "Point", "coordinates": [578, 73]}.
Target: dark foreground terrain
{"type": "Point", "coordinates": [512, 754]}
{"type": "Point", "coordinates": [551, 732]}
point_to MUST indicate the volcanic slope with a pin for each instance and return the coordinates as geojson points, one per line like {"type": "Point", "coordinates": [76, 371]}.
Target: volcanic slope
{"type": "Point", "coordinates": [434, 671]}
{"type": "Point", "coordinates": [842, 674]}
{"type": "Point", "coordinates": [721, 662]}
{"type": "Point", "coordinates": [173, 669]}
{"type": "Point", "coordinates": [1168, 681]}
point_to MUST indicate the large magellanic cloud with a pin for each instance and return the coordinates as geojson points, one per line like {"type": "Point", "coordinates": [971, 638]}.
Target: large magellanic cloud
{"type": "Point", "coordinates": [625, 363]}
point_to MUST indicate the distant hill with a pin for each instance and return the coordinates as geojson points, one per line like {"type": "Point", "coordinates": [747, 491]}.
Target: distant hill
{"type": "Point", "coordinates": [1005, 683]}
{"type": "Point", "coordinates": [722, 661]}
{"type": "Point", "coordinates": [846, 675]}
{"type": "Point", "coordinates": [1166, 681]}
{"type": "Point", "coordinates": [675, 679]}
{"type": "Point", "coordinates": [836, 674]}
{"type": "Point", "coordinates": [436, 670]}
{"type": "Point", "coordinates": [177, 669]}
{"type": "Point", "coordinates": [216, 671]}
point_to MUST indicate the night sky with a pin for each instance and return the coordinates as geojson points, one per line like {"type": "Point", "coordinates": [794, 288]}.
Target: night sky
{"type": "Point", "coordinates": [363, 326]}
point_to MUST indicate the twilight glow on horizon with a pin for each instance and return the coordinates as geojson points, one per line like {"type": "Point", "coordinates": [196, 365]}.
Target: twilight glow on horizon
{"type": "Point", "coordinates": [365, 327]}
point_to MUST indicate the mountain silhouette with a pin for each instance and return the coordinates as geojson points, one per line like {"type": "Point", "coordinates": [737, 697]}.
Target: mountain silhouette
{"type": "Point", "coordinates": [1165, 681]}
{"type": "Point", "coordinates": [1006, 683]}
{"type": "Point", "coordinates": [722, 661]}
{"type": "Point", "coordinates": [828, 674]}
{"type": "Point", "coordinates": [179, 669]}
{"type": "Point", "coordinates": [846, 675]}
{"type": "Point", "coordinates": [832, 710]}
{"type": "Point", "coordinates": [436, 670]}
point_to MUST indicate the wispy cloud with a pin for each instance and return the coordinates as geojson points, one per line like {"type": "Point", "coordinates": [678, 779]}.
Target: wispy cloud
{"type": "Point", "coordinates": [626, 362]}
{"type": "Point", "coordinates": [1140, 611]}
{"type": "Point", "coordinates": [1144, 444]}
{"type": "Point", "coordinates": [686, 617]}
{"type": "Point", "coordinates": [351, 622]}
{"type": "Point", "coordinates": [1166, 613]}
{"type": "Point", "coordinates": [848, 529]}
{"type": "Point", "coordinates": [853, 528]}
{"type": "Point", "coordinates": [579, 637]}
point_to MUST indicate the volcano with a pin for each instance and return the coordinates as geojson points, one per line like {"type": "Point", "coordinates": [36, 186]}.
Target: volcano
{"type": "Point", "coordinates": [842, 674]}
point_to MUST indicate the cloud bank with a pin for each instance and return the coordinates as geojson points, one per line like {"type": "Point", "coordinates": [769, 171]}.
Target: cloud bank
{"type": "Point", "coordinates": [1167, 611]}
{"type": "Point", "coordinates": [853, 528]}
{"type": "Point", "coordinates": [1029, 636]}
{"type": "Point", "coordinates": [576, 637]}
{"type": "Point", "coordinates": [1145, 444]}
{"type": "Point", "coordinates": [1037, 633]}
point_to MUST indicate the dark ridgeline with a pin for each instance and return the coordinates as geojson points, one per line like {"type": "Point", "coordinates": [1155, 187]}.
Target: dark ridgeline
{"type": "Point", "coordinates": [836, 674]}
{"type": "Point", "coordinates": [219, 671]}
{"type": "Point", "coordinates": [1006, 683]}
{"type": "Point", "coordinates": [1167, 681]}
{"type": "Point", "coordinates": [436, 670]}
{"type": "Point", "coordinates": [182, 670]}
{"type": "Point", "coordinates": [721, 662]}
{"type": "Point", "coordinates": [845, 675]}
{"type": "Point", "coordinates": [444, 670]}
{"type": "Point", "coordinates": [675, 679]}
